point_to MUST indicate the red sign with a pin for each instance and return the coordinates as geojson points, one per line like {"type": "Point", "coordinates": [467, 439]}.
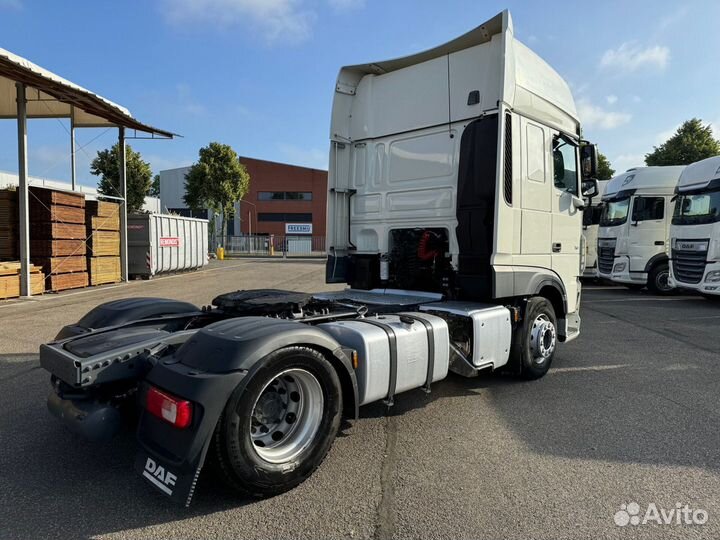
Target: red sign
{"type": "Point", "coordinates": [169, 241]}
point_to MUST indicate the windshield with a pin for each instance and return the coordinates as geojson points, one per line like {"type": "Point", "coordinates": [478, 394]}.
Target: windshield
{"type": "Point", "coordinates": [697, 208]}
{"type": "Point", "coordinates": [615, 212]}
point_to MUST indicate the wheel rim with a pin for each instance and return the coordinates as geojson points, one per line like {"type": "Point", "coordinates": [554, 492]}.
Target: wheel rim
{"type": "Point", "coordinates": [286, 416]}
{"type": "Point", "coordinates": [661, 281]}
{"type": "Point", "coordinates": [542, 339]}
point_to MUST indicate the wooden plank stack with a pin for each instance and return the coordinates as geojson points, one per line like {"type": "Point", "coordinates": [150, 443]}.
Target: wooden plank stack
{"type": "Point", "coordinates": [9, 249]}
{"type": "Point", "coordinates": [102, 221]}
{"type": "Point", "coordinates": [57, 237]}
{"type": "Point", "coordinates": [10, 280]}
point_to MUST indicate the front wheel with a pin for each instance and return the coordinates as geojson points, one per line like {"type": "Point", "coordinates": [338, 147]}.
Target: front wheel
{"type": "Point", "coordinates": [276, 429]}
{"type": "Point", "coordinates": [658, 279]}
{"type": "Point", "coordinates": [534, 343]}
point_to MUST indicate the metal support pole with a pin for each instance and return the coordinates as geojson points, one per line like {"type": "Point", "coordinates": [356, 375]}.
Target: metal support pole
{"type": "Point", "coordinates": [24, 210]}
{"type": "Point", "coordinates": [72, 147]}
{"type": "Point", "coordinates": [122, 167]}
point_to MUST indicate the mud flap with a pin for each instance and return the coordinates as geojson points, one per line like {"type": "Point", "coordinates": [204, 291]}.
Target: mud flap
{"type": "Point", "coordinates": [170, 479]}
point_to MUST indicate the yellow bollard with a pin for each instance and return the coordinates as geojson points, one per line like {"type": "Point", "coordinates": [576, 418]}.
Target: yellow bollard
{"type": "Point", "coordinates": [221, 253]}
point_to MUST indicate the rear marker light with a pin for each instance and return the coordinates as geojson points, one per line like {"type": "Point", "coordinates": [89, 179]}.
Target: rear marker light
{"type": "Point", "coordinates": [171, 409]}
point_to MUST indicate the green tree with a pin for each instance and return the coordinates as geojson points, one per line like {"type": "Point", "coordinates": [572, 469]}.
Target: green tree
{"type": "Point", "coordinates": [155, 187]}
{"type": "Point", "coordinates": [690, 143]}
{"type": "Point", "coordinates": [605, 171]}
{"type": "Point", "coordinates": [138, 175]}
{"type": "Point", "coordinates": [217, 181]}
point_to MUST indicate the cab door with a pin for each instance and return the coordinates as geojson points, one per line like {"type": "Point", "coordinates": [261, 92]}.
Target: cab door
{"type": "Point", "coordinates": [566, 216]}
{"type": "Point", "coordinates": [648, 231]}
{"type": "Point", "coordinates": [536, 195]}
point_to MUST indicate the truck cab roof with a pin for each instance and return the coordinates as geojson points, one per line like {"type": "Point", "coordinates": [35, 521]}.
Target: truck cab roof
{"type": "Point", "coordinates": [700, 174]}
{"type": "Point", "coordinates": [451, 83]}
{"type": "Point", "coordinates": [645, 180]}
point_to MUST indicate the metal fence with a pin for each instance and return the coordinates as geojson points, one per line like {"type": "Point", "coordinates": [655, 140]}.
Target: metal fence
{"type": "Point", "coordinates": [273, 245]}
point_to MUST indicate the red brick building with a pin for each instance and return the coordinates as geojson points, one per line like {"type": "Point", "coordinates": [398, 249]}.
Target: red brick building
{"type": "Point", "coordinates": [283, 199]}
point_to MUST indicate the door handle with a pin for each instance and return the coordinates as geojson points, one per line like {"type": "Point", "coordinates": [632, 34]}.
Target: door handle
{"type": "Point", "coordinates": [659, 243]}
{"type": "Point", "coordinates": [557, 247]}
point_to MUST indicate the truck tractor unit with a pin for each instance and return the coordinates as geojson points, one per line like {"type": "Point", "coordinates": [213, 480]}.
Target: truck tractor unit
{"type": "Point", "coordinates": [591, 225]}
{"type": "Point", "coordinates": [634, 228]}
{"type": "Point", "coordinates": [695, 230]}
{"type": "Point", "coordinates": [456, 188]}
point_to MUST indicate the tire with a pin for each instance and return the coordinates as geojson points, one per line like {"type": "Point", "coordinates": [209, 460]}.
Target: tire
{"type": "Point", "coordinates": [711, 297]}
{"type": "Point", "coordinates": [534, 344]}
{"type": "Point", "coordinates": [658, 279]}
{"type": "Point", "coordinates": [250, 459]}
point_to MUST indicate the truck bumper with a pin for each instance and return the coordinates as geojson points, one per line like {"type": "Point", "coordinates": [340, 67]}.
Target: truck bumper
{"type": "Point", "coordinates": [621, 273]}
{"type": "Point", "coordinates": [705, 286]}
{"type": "Point", "coordinates": [89, 419]}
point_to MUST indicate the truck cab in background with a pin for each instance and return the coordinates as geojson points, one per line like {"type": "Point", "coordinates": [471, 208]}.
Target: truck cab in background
{"type": "Point", "coordinates": [634, 228]}
{"type": "Point", "coordinates": [695, 230]}
{"type": "Point", "coordinates": [459, 171]}
{"type": "Point", "coordinates": [591, 224]}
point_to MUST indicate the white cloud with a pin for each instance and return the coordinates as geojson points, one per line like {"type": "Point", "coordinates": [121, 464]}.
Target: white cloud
{"type": "Point", "coordinates": [623, 162]}
{"type": "Point", "coordinates": [313, 157]}
{"type": "Point", "coordinates": [630, 57]}
{"type": "Point", "coordinates": [611, 99]}
{"type": "Point", "coordinates": [275, 20]}
{"type": "Point", "coordinates": [594, 116]}
{"type": "Point", "coordinates": [342, 5]}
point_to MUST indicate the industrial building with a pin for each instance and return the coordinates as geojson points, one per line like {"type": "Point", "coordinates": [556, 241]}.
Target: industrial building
{"type": "Point", "coordinates": [283, 199]}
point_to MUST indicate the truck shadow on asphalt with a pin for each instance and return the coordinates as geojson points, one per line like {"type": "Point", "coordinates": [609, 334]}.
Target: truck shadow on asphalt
{"type": "Point", "coordinates": [589, 407]}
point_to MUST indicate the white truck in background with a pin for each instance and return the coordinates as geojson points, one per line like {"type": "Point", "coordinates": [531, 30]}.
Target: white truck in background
{"type": "Point", "coordinates": [591, 225]}
{"type": "Point", "coordinates": [695, 230]}
{"type": "Point", "coordinates": [634, 228]}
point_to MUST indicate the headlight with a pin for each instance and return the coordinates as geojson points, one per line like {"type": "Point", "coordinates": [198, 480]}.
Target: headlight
{"type": "Point", "coordinates": [619, 267]}
{"type": "Point", "coordinates": [713, 277]}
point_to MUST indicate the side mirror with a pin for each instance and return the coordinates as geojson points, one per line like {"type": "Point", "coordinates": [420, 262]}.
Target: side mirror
{"type": "Point", "coordinates": [589, 160]}
{"type": "Point", "coordinates": [590, 188]}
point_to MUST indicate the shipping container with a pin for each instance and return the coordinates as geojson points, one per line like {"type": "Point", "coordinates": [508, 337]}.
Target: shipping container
{"type": "Point", "coordinates": [159, 243]}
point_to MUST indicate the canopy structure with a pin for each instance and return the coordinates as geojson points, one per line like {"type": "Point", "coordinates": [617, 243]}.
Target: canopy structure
{"type": "Point", "coordinates": [30, 91]}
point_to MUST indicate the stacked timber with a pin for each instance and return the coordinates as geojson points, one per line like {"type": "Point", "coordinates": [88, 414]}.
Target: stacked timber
{"type": "Point", "coordinates": [57, 237]}
{"type": "Point", "coordinates": [9, 225]}
{"type": "Point", "coordinates": [102, 222]}
{"type": "Point", "coordinates": [10, 280]}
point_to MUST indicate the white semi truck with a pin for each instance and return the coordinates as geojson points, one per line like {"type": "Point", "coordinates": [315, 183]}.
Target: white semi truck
{"type": "Point", "coordinates": [591, 225]}
{"type": "Point", "coordinates": [634, 228]}
{"type": "Point", "coordinates": [455, 214]}
{"type": "Point", "coordinates": [695, 230]}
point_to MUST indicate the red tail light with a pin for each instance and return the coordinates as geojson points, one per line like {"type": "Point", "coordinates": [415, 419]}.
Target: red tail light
{"type": "Point", "coordinates": [173, 410]}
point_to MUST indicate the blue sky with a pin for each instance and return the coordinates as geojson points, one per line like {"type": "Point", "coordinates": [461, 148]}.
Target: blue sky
{"type": "Point", "coordinates": [259, 74]}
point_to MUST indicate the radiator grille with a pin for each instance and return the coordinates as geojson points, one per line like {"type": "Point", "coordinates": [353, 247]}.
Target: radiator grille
{"type": "Point", "coordinates": [689, 266]}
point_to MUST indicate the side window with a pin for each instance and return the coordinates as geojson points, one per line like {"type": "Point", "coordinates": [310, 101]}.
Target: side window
{"type": "Point", "coordinates": [648, 208]}
{"type": "Point", "coordinates": [535, 153]}
{"type": "Point", "coordinates": [565, 165]}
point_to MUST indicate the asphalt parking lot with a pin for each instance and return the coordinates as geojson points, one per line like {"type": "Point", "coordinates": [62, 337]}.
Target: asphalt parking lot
{"type": "Point", "coordinates": [629, 413]}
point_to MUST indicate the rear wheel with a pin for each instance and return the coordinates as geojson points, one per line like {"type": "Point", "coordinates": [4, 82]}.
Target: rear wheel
{"type": "Point", "coordinates": [535, 342]}
{"type": "Point", "coordinates": [658, 279]}
{"type": "Point", "coordinates": [276, 429]}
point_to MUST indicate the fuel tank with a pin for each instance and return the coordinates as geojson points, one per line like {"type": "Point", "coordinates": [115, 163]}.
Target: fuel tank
{"type": "Point", "coordinates": [396, 353]}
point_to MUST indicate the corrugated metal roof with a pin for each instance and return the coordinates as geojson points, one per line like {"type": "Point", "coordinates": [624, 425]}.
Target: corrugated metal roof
{"type": "Point", "coordinates": [52, 96]}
